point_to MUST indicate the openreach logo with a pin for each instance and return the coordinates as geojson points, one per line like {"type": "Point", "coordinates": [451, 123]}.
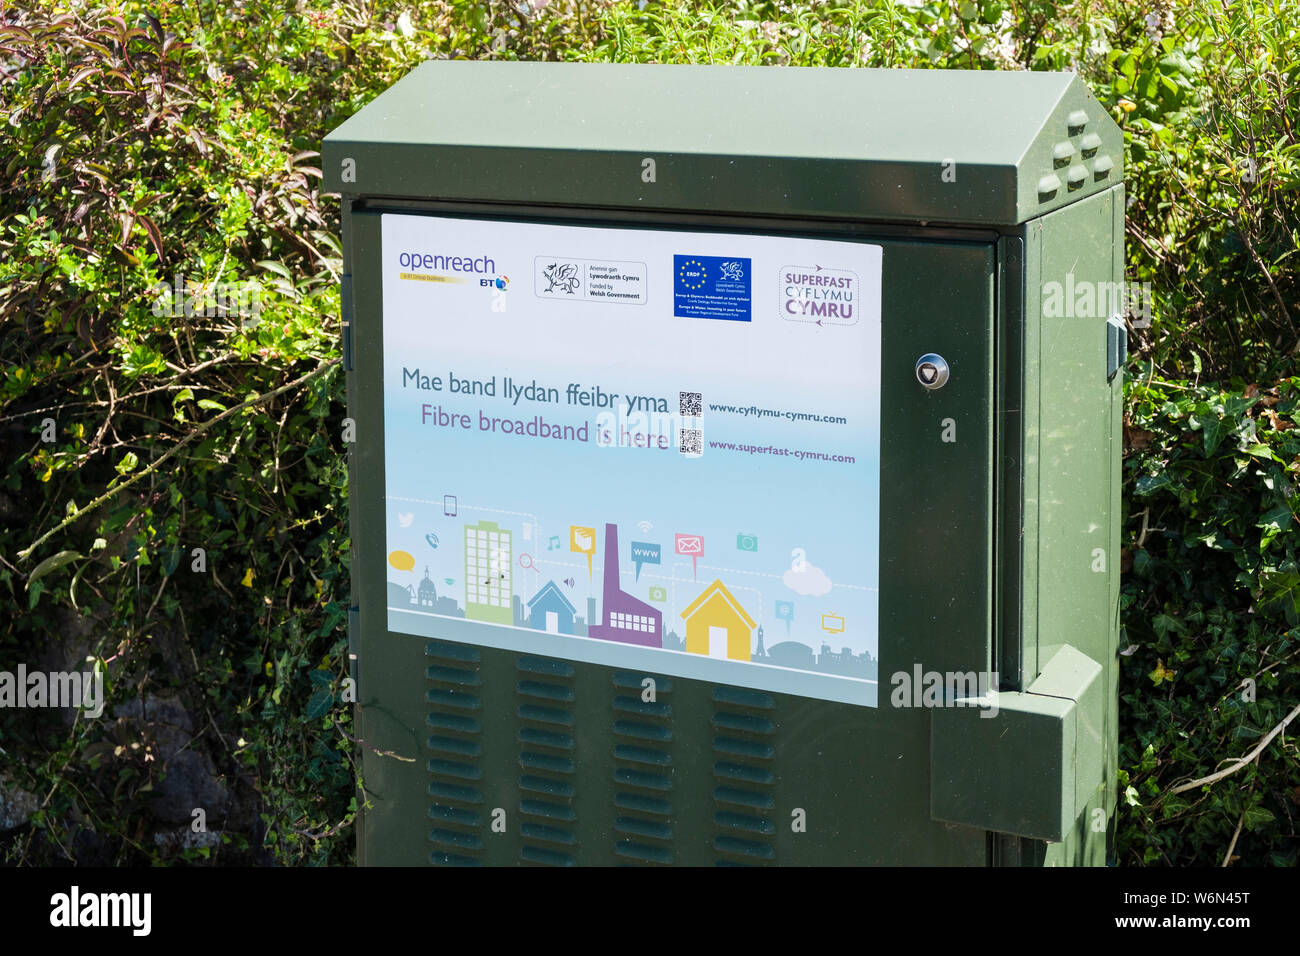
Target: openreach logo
{"type": "Point", "coordinates": [23, 688]}
{"type": "Point", "coordinates": [76, 909]}
{"type": "Point", "coordinates": [922, 688]}
{"type": "Point", "coordinates": [440, 262]}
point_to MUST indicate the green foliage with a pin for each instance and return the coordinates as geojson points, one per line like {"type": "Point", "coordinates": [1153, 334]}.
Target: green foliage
{"type": "Point", "coordinates": [144, 141]}
{"type": "Point", "coordinates": [134, 156]}
{"type": "Point", "coordinates": [1211, 603]}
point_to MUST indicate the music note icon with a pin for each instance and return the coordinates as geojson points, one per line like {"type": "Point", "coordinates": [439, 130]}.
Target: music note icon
{"type": "Point", "coordinates": [554, 542]}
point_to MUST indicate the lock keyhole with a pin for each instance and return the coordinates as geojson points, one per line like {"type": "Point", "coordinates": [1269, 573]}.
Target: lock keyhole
{"type": "Point", "coordinates": [932, 371]}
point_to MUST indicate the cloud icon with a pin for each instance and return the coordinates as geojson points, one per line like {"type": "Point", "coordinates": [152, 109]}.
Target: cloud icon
{"type": "Point", "coordinates": [811, 580]}
{"type": "Point", "coordinates": [406, 519]}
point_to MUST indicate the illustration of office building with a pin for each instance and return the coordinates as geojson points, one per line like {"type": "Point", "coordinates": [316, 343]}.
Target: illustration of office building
{"type": "Point", "coordinates": [489, 557]}
{"type": "Point", "coordinates": [626, 619]}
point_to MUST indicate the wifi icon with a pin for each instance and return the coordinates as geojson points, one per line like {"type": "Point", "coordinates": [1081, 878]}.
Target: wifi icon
{"type": "Point", "coordinates": [645, 527]}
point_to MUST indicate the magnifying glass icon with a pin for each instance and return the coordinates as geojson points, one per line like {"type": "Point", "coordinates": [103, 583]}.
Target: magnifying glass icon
{"type": "Point", "coordinates": [526, 561]}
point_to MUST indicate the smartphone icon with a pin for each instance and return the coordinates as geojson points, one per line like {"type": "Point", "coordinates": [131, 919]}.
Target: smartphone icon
{"type": "Point", "coordinates": [449, 505]}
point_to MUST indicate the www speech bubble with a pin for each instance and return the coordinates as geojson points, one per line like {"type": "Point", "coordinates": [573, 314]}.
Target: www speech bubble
{"type": "Point", "coordinates": [643, 553]}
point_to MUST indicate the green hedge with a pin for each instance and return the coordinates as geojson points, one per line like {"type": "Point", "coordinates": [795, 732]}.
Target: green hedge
{"type": "Point", "coordinates": [1211, 603]}
{"type": "Point", "coordinates": [140, 142]}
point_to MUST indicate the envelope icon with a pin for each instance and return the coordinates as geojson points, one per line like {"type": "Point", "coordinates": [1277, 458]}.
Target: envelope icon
{"type": "Point", "coordinates": [690, 544]}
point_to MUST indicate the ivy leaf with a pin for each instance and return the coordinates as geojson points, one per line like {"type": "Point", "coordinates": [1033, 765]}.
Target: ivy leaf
{"type": "Point", "coordinates": [1261, 451]}
{"type": "Point", "coordinates": [1274, 522]}
{"type": "Point", "coordinates": [1256, 817]}
{"type": "Point", "coordinates": [1161, 673]}
{"type": "Point", "coordinates": [320, 703]}
{"type": "Point", "coordinates": [1279, 592]}
{"type": "Point", "coordinates": [1150, 484]}
{"type": "Point", "coordinates": [1214, 429]}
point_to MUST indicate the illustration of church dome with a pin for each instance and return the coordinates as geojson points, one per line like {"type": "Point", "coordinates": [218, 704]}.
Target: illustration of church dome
{"type": "Point", "coordinates": [427, 593]}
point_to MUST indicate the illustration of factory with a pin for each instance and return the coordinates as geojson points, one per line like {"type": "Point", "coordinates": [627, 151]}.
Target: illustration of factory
{"type": "Point", "coordinates": [628, 620]}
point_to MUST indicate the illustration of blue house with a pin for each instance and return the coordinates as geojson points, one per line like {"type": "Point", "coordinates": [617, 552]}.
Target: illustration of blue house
{"type": "Point", "coordinates": [549, 610]}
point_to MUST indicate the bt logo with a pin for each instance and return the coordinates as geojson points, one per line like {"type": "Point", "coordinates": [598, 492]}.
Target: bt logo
{"type": "Point", "coordinates": [499, 282]}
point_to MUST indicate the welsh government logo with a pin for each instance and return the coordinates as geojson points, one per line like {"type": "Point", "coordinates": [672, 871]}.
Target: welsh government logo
{"type": "Point", "coordinates": [561, 277]}
{"type": "Point", "coordinates": [732, 271]}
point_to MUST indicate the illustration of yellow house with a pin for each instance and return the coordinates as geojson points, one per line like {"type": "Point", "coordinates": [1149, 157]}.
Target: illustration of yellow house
{"type": "Point", "coordinates": [717, 626]}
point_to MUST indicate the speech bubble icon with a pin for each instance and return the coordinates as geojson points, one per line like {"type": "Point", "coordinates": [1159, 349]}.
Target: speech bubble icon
{"type": "Point", "coordinates": [658, 595]}
{"type": "Point", "coordinates": [643, 553]}
{"type": "Point", "coordinates": [693, 545]}
{"type": "Point", "coordinates": [583, 541]}
{"type": "Point", "coordinates": [832, 623]}
{"type": "Point", "coordinates": [785, 612]}
{"type": "Point", "coordinates": [401, 560]}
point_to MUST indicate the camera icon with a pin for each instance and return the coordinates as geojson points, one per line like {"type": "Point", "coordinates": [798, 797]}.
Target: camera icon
{"type": "Point", "coordinates": [746, 542]}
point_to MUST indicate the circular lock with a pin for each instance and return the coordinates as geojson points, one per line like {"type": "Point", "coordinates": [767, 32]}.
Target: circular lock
{"type": "Point", "coordinates": [932, 371]}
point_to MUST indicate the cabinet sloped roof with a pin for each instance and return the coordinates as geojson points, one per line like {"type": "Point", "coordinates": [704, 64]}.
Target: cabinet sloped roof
{"type": "Point", "coordinates": [962, 147]}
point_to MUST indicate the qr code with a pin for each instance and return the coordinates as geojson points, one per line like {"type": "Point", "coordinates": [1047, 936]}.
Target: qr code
{"type": "Point", "coordinates": [691, 440]}
{"type": "Point", "coordinates": [690, 405]}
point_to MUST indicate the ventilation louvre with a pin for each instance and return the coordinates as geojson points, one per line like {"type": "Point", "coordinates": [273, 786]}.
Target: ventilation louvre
{"type": "Point", "coordinates": [744, 746]}
{"type": "Point", "coordinates": [455, 748]}
{"type": "Point", "coordinates": [545, 695]}
{"type": "Point", "coordinates": [643, 769]}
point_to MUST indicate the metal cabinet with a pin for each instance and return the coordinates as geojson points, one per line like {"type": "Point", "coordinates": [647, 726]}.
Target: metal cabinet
{"type": "Point", "coordinates": [872, 322]}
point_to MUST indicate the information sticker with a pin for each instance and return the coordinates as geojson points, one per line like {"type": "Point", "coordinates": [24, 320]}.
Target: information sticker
{"type": "Point", "coordinates": [643, 448]}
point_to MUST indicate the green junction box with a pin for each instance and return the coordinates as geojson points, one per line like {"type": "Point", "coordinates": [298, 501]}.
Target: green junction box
{"type": "Point", "coordinates": [736, 473]}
